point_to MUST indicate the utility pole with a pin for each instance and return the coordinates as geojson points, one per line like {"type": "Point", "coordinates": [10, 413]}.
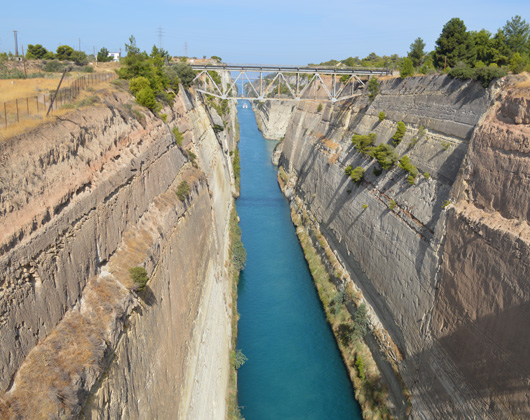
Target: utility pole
{"type": "Point", "coordinates": [186, 49]}
{"type": "Point", "coordinates": [79, 39]}
{"type": "Point", "coordinates": [16, 44]}
{"type": "Point", "coordinates": [160, 32]}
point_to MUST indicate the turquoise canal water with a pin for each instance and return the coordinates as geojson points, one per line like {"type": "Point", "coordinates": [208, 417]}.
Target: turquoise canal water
{"type": "Point", "coordinates": [294, 368]}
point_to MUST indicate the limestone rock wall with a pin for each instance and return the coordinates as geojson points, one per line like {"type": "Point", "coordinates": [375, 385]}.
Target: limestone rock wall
{"type": "Point", "coordinates": [273, 117]}
{"type": "Point", "coordinates": [406, 247]}
{"type": "Point", "coordinates": [483, 306]}
{"type": "Point", "coordinates": [96, 196]}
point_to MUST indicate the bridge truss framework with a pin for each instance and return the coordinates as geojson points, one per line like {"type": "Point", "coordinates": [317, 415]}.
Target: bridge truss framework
{"type": "Point", "coordinates": [263, 87]}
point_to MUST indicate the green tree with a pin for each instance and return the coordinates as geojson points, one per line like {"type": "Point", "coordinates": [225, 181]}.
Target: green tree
{"type": "Point", "coordinates": [455, 44]}
{"type": "Point", "coordinates": [373, 88]}
{"type": "Point", "coordinates": [79, 58]}
{"type": "Point", "coordinates": [517, 33]}
{"type": "Point", "coordinates": [216, 58]}
{"type": "Point", "coordinates": [35, 52]}
{"type": "Point", "coordinates": [137, 84]}
{"type": "Point", "coordinates": [407, 68]}
{"type": "Point", "coordinates": [146, 97]}
{"type": "Point", "coordinates": [159, 52]}
{"type": "Point", "coordinates": [131, 48]}
{"type": "Point", "coordinates": [499, 49]}
{"type": "Point", "coordinates": [139, 277]}
{"type": "Point", "coordinates": [428, 66]}
{"type": "Point", "coordinates": [185, 74]}
{"type": "Point", "coordinates": [518, 62]}
{"type": "Point", "coordinates": [483, 45]}
{"type": "Point", "coordinates": [400, 132]}
{"type": "Point", "coordinates": [64, 52]}
{"type": "Point", "coordinates": [183, 190]}
{"type": "Point", "coordinates": [103, 55]}
{"type": "Point", "coordinates": [417, 52]}
{"type": "Point", "coordinates": [357, 174]}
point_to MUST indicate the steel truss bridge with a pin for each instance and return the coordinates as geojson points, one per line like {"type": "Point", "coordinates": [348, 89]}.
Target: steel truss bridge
{"type": "Point", "coordinates": [263, 82]}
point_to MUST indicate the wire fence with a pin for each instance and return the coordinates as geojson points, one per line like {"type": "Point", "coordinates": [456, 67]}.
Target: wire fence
{"type": "Point", "coordinates": [36, 107]}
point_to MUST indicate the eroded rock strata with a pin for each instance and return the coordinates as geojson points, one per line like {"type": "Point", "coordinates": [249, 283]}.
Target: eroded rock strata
{"type": "Point", "coordinates": [443, 263]}
{"type": "Point", "coordinates": [83, 200]}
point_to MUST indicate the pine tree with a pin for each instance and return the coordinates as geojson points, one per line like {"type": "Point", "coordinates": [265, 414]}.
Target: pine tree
{"type": "Point", "coordinates": [407, 68]}
{"type": "Point", "coordinates": [454, 44]}
{"type": "Point", "coordinates": [417, 52]}
{"type": "Point", "coordinates": [517, 33]}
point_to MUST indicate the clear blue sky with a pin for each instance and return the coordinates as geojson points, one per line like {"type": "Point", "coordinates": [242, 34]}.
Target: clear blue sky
{"type": "Point", "coordinates": [242, 31]}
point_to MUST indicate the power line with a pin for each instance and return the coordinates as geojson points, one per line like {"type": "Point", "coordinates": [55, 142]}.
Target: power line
{"type": "Point", "coordinates": [160, 32]}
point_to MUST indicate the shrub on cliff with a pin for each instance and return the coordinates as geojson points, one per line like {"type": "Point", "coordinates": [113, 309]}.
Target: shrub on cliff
{"type": "Point", "coordinates": [373, 88]}
{"type": "Point", "coordinates": [183, 190]}
{"type": "Point", "coordinates": [357, 174]}
{"type": "Point", "coordinates": [518, 63]}
{"type": "Point", "coordinates": [137, 84]}
{"type": "Point", "coordinates": [400, 132]}
{"type": "Point", "coordinates": [408, 167]}
{"type": "Point", "coordinates": [139, 278]}
{"type": "Point", "coordinates": [362, 142]}
{"type": "Point", "coordinates": [238, 358]}
{"type": "Point", "coordinates": [179, 137]}
{"type": "Point", "coordinates": [485, 75]}
{"type": "Point", "coordinates": [385, 155]}
{"type": "Point", "coordinates": [382, 116]}
{"type": "Point", "coordinates": [146, 97]}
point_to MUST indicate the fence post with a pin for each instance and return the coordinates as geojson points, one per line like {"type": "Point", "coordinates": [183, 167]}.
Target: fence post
{"type": "Point", "coordinates": [18, 119]}
{"type": "Point", "coordinates": [58, 87]}
{"type": "Point", "coordinates": [5, 113]}
{"type": "Point", "coordinates": [27, 105]}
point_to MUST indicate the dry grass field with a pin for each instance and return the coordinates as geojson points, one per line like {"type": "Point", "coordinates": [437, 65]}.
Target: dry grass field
{"type": "Point", "coordinates": [23, 88]}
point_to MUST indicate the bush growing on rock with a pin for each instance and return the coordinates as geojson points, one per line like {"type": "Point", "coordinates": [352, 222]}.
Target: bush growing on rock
{"type": "Point", "coordinates": [183, 190]}
{"type": "Point", "coordinates": [382, 116]}
{"type": "Point", "coordinates": [406, 69]}
{"type": "Point", "coordinates": [357, 174]}
{"type": "Point", "coordinates": [373, 88]}
{"type": "Point", "coordinates": [139, 278]}
{"type": "Point", "coordinates": [408, 167]}
{"type": "Point", "coordinates": [146, 97]}
{"type": "Point", "coordinates": [384, 154]}
{"type": "Point", "coordinates": [137, 84]}
{"type": "Point", "coordinates": [362, 143]}
{"type": "Point", "coordinates": [400, 132]}
{"type": "Point", "coordinates": [179, 137]}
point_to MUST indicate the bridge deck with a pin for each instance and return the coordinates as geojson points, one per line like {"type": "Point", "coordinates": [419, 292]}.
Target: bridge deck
{"type": "Point", "coordinates": [290, 78]}
{"type": "Point", "coordinates": [291, 69]}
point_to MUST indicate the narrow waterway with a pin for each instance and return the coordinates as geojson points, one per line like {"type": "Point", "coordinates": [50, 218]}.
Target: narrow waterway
{"type": "Point", "coordinates": [294, 368]}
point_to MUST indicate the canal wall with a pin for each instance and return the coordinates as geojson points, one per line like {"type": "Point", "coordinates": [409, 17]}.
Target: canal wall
{"type": "Point", "coordinates": [84, 199]}
{"type": "Point", "coordinates": [441, 260]}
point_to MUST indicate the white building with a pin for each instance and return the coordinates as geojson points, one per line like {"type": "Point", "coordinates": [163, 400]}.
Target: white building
{"type": "Point", "coordinates": [115, 56]}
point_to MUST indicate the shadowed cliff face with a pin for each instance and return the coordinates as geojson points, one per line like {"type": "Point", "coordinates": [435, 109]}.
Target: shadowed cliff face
{"type": "Point", "coordinates": [483, 309]}
{"type": "Point", "coordinates": [84, 200]}
{"type": "Point", "coordinates": [448, 283]}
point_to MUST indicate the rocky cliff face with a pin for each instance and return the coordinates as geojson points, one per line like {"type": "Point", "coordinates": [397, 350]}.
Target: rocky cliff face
{"type": "Point", "coordinates": [432, 273]}
{"type": "Point", "coordinates": [83, 200]}
{"type": "Point", "coordinates": [273, 118]}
